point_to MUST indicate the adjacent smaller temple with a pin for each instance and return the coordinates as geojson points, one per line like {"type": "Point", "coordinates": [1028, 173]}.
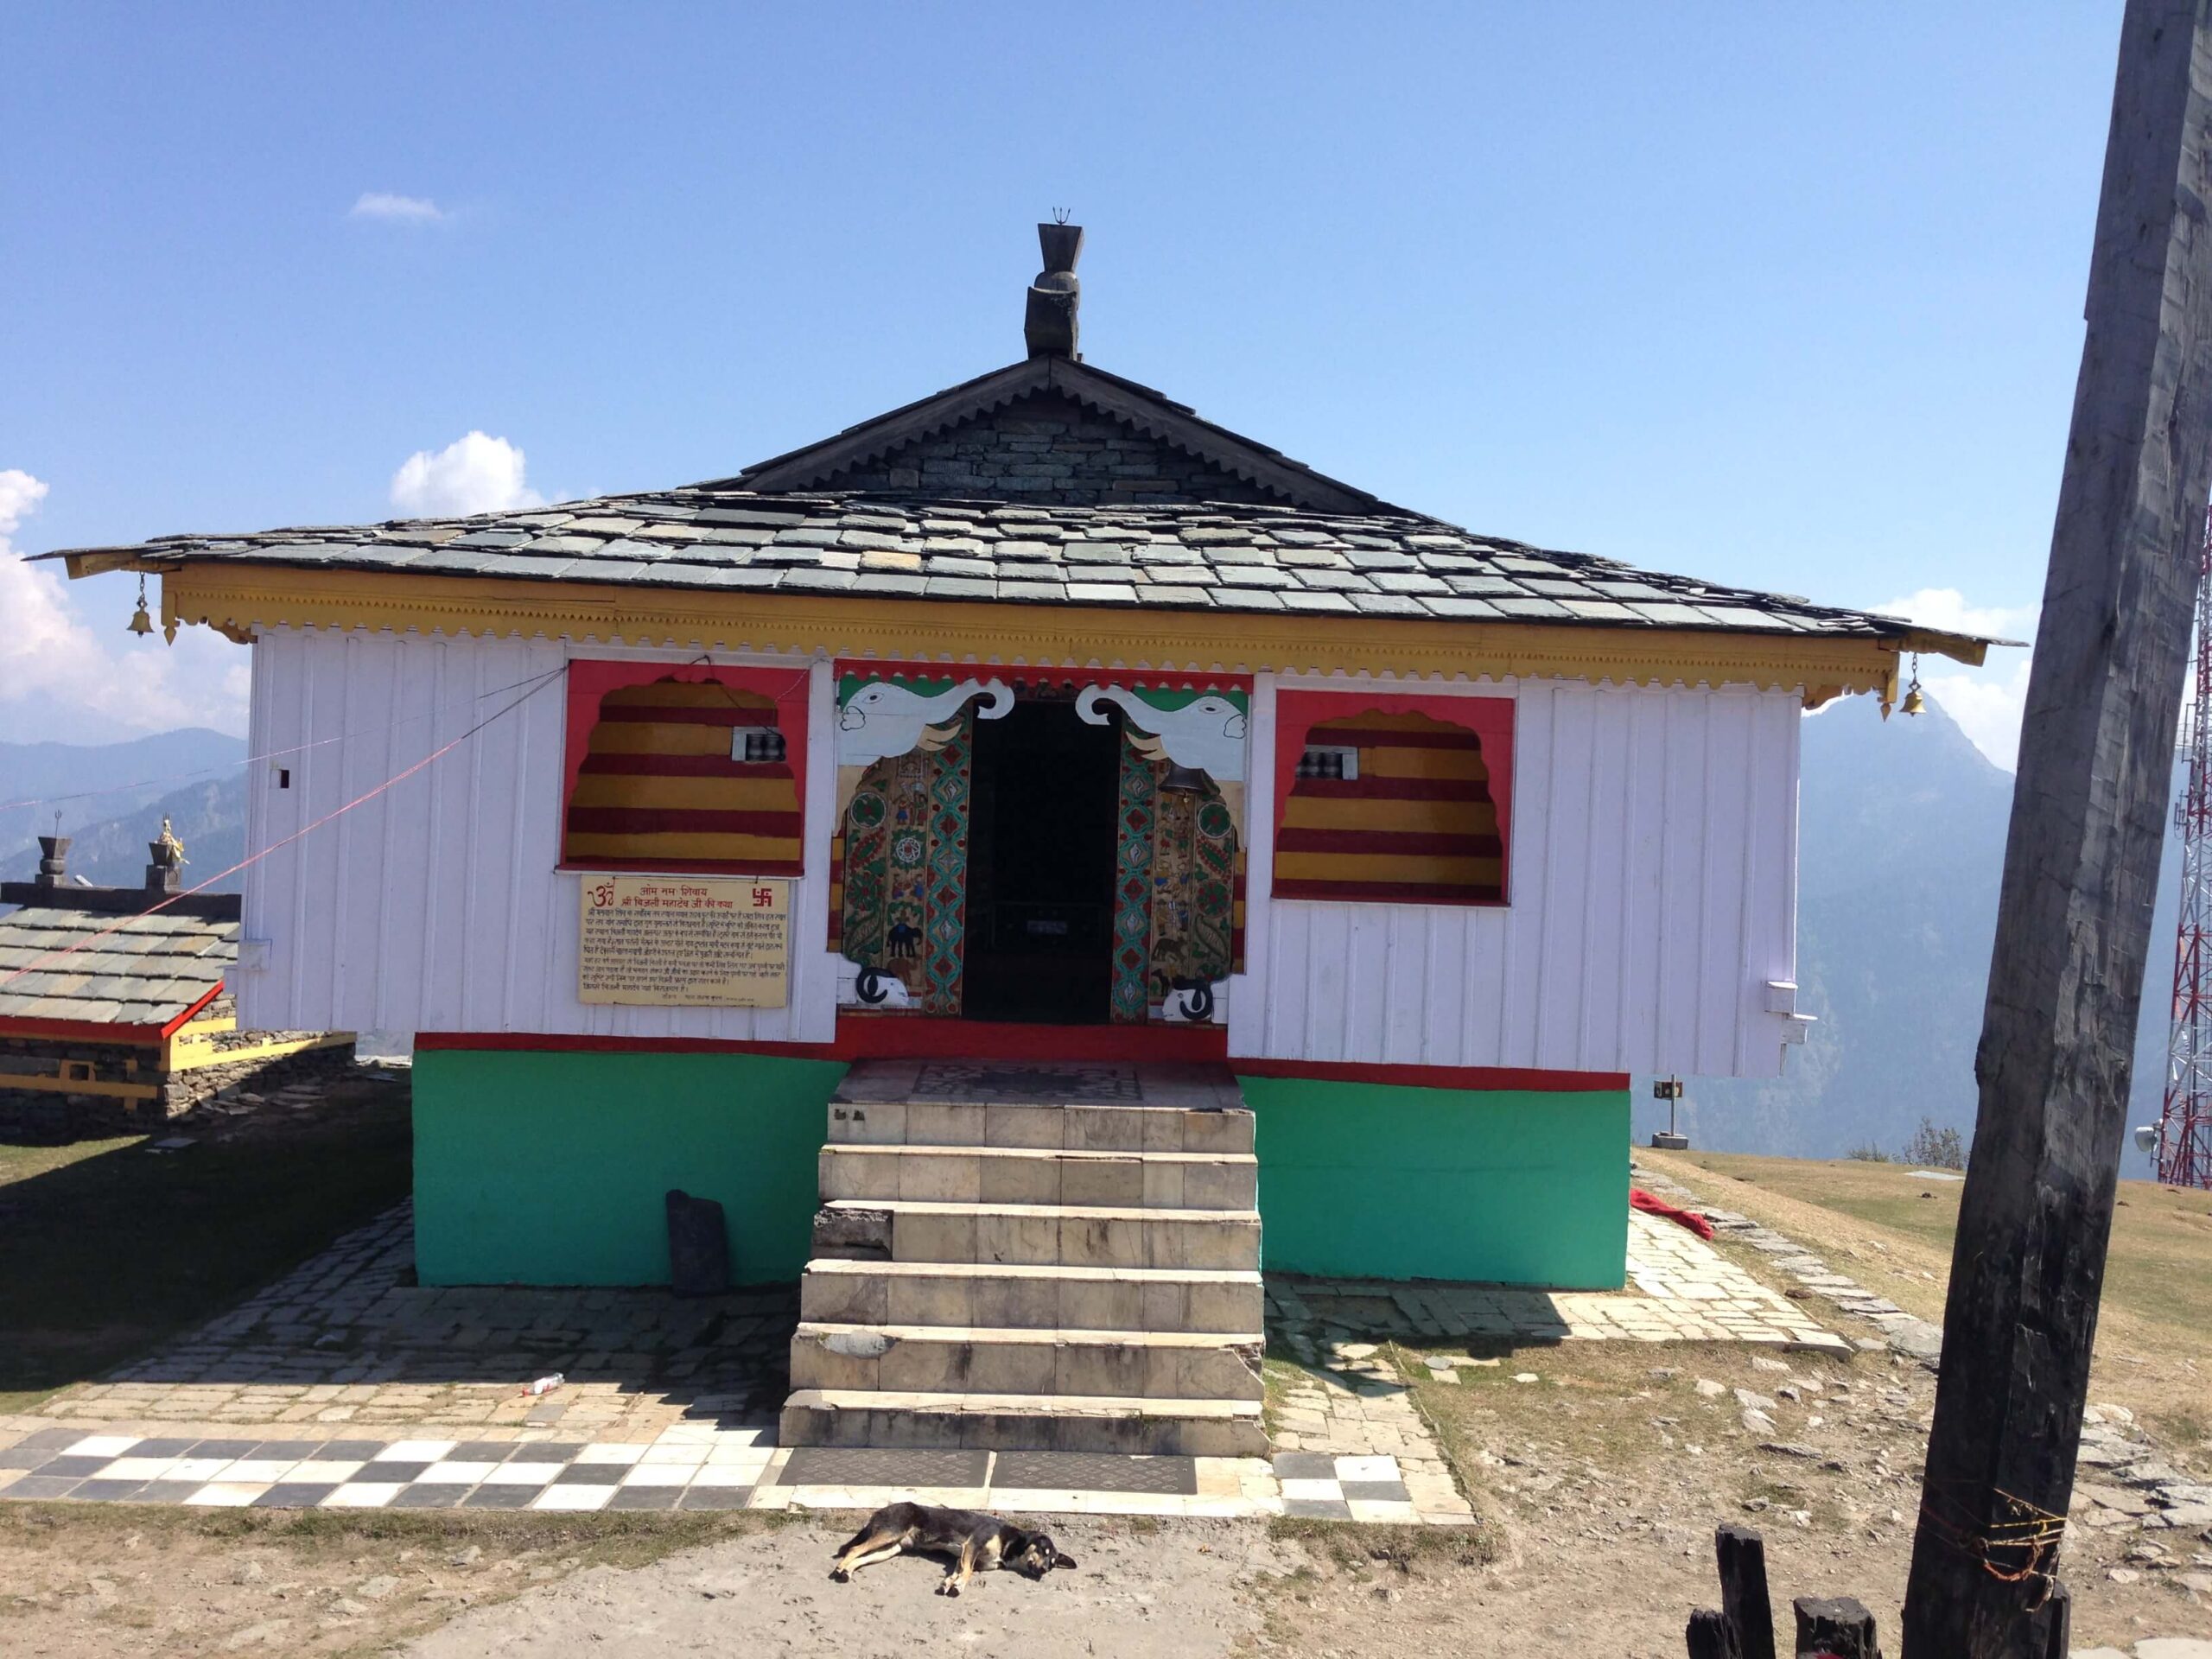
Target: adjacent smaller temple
{"type": "Point", "coordinates": [113, 1020]}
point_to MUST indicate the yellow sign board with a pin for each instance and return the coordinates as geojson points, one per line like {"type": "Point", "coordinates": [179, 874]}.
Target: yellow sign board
{"type": "Point", "coordinates": [684, 941]}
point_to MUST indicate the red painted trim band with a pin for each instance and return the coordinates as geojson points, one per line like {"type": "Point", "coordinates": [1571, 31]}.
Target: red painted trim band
{"type": "Point", "coordinates": [185, 1018]}
{"type": "Point", "coordinates": [1520, 1079]}
{"type": "Point", "coordinates": [83, 1030]}
{"type": "Point", "coordinates": [888, 1036]}
{"type": "Point", "coordinates": [676, 869]}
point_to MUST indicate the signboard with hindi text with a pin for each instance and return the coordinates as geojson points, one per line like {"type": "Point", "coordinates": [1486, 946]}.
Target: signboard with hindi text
{"type": "Point", "coordinates": [678, 941]}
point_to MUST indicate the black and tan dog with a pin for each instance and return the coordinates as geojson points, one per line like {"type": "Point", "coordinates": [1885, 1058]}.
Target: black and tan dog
{"type": "Point", "coordinates": [973, 1543]}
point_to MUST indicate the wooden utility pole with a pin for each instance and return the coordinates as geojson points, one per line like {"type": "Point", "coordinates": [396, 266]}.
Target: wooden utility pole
{"type": "Point", "coordinates": [2088, 811]}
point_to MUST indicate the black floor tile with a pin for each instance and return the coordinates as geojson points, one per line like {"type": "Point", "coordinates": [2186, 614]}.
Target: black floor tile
{"type": "Point", "coordinates": [714, 1497]}
{"type": "Point", "coordinates": [1305, 1466]}
{"type": "Point", "coordinates": [350, 1451]}
{"type": "Point", "coordinates": [500, 1498]}
{"type": "Point", "coordinates": [163, 1449]}
{"type": "Point", "coordinates": [25, 1457]}
{"type": "Point", "coordinates": [109, 1491]}
{"type": "Point", "coordinates": [52, 1442]}
{"type": "Point", "coordinates": [855, 1466]}
{"type": "Point", "coordinates": [401, 1473]}
{"type": "Point", "coordinates": [1095, 1472]}
{"type": "Point", "coordinates": [1315, 1508]}
{"type": "Point", "coordinates": [294, 1494]}
{"type": "Point", "coordinates": [41, 1486]}
{"type": "Point", "coordinates": [227, 1450]}
{"type": "Point", "coordinates": [645, 1497]}
{"type": "Point", "coordinates": [168, 1491]}
{"type": "Point", "coordinates": [291, 1451]}
{"type": "Point", "coordinates": [75, 1468]}
{"type": "Point", "coordinates": [487, 1451]}
{"type": "Point", "coordinates": [544, 1451]}
{"type": "Point", "coordinates": [592, 1474]}
{"type": "Point", "coordinates": [420, 1496]}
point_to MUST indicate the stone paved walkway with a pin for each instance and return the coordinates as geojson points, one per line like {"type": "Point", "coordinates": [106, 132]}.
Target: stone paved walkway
{"type": "Point", "coordinates": [346, 1385]}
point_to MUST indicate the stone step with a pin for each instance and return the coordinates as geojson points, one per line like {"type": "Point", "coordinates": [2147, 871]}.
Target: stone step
{"type": "Point", "coordinates": [1031, 1297]}
{"type": "Point", "coordinates": [1148, 1180]}
{"type": "Point", "coordinates": [1040, 1127]}
{"type": "Point", "coordinates": [1003, 1422]}
{"type": "Point", "coordinates": [1083, 1235]}
{"type": "Point", "coordinates": [970, 1359]}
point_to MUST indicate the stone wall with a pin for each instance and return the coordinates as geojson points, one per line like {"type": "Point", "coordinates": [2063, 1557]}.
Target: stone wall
{"type": "Point", "coordinates": [1049, 448]}
{"type": "Point", "coordinates": [43, 1116]}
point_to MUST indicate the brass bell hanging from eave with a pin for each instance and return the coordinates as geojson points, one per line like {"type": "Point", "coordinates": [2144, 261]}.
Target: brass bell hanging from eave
{"type": "Point", "coordinates": [141, 623]}
{"type": "Point", "coordinates": [1914, 702]}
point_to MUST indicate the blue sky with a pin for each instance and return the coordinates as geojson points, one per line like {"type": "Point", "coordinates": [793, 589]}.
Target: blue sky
{"type": "Point", "coordinates": [1785, 297]}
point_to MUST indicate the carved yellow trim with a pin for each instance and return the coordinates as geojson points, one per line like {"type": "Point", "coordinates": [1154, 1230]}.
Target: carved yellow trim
{"type": "Point", "coordinates": [238, 599]}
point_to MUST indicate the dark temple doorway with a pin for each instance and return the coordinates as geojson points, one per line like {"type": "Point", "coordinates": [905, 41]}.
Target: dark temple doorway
{"type": "Point", "coordinates": [1040, 866]}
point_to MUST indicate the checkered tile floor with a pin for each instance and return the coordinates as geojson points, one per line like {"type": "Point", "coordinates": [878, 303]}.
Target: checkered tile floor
{"type": "Point", "coordinates": [690, 1467]}
{"type": "Point", "coordinates": [714, 1470]}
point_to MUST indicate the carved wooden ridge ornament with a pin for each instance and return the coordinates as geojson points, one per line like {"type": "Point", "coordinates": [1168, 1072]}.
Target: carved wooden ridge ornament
{"type": "Point", "coordinates": [1050, 324]}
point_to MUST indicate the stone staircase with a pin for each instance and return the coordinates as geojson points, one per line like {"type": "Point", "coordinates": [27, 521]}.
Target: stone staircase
{"type": "Point", "coordinates": [1034, 1274]}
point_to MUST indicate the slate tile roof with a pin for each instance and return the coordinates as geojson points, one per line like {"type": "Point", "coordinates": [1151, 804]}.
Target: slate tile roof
{"type": "Point", "coordinates": [147, 972]}
{"type": "Point", "coordinates": [1203, 556]}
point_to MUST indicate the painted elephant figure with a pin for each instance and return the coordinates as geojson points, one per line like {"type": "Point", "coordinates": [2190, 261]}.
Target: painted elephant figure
{"type": "Point", "coordinates": [884, 718]}
{"type": "Point", "coordinates": [1207, 734]}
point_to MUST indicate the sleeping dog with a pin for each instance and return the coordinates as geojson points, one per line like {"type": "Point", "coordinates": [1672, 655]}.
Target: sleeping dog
{"type": "Point", "coordinates": [975, 1542]}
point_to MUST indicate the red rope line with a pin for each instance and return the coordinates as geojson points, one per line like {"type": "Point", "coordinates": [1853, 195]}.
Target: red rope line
{"type": "Point", "coordinates": [254, 858]}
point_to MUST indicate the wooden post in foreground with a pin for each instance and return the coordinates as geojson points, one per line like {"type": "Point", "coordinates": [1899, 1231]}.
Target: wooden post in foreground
{"type": "Point", "coordinates": [2088, 811]}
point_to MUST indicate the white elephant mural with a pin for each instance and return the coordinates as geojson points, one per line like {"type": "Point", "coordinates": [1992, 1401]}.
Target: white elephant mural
{"type": "Point", "coordinates": [1206, 733]}
{"type": "Point", "coordinates": [884, 718]}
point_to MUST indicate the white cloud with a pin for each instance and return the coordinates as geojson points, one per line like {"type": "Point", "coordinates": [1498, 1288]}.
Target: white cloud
{"type": "Point", "coordinates": [475, 474]}
{"type": "Point", "coordinates": [1987, 702]}
{"type": "Point", "coordinates": [398, 209]}
{"type": "Point", "coordinates": [53, 662]}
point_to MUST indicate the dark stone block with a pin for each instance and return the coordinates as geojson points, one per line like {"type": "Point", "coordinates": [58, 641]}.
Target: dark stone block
{"type": "Point", "coordinates": [698, 1246]}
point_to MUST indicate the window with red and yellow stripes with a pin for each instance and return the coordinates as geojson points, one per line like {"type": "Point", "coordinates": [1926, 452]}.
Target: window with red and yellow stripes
{"type": "Point", "coordinates": [1392, 799]}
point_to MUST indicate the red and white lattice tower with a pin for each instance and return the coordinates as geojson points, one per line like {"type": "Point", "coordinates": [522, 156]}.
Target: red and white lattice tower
{"type": "Point", "coordinates": [2185, 1127]}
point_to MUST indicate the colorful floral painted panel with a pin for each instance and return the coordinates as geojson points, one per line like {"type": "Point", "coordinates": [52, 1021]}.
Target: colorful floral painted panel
{"type": "Point", "coordinates": [904, 866]}
{"type": "Point", "coordinates": [1176, 894]}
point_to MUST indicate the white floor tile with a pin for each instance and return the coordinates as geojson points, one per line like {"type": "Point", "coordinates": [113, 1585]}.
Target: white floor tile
{"type": "Point", "coordinates": [323, 1468]}
{"type": "Point", "coordinates": [415, 1450]}
{"type": "Point", "coordinates": [610, 1452]}
{"type": "Point", "coordinates": [1325, 1492]}
{"type": "Point", "coordinates": [1368, 1469]}
{"type": "Point", "coordinates": [362, 1494]}
{"type": "Point", "coordinates": [143, 1468]}
{"type": "Point", "coordinates": [101, 1446]}
{"type": "Point", "coordinates": [267, 1470]}
{"type": "Point", "coordinates": [573, 1497]}
{"type": "Point", "coordinates": [230, 1494]}
{"type": "Point", "coordinates": [457, 1474]}
{"type": "Point", "coordinates": [660, 1474]}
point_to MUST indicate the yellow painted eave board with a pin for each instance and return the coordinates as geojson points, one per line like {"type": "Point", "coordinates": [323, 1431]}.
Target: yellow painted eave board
{"type": "Point", "coordinates": [239, 599]}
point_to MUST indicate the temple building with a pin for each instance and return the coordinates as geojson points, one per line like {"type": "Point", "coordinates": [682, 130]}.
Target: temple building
{"type": "Point", "coordinates": [1320, 868]}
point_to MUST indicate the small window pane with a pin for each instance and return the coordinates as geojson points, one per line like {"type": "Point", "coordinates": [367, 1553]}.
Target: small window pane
{"type": "Point", "coordinates": [756, 744]}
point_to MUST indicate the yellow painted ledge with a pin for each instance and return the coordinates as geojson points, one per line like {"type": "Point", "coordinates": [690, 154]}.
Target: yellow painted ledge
{"type": "Point", "coordinates": [236, 598]}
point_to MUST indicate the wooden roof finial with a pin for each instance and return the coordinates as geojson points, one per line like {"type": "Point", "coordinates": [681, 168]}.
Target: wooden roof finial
{"type": "Point", "coordinates": [1049, 326]}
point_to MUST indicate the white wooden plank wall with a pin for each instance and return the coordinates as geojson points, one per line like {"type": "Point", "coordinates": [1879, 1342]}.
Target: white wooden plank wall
{"type": "Point", "coordinates": [1653, 866]}
{"type": "Point", "coordinates": [436, 907]}
{"type": "Point", "coordinates": [1653, 877]}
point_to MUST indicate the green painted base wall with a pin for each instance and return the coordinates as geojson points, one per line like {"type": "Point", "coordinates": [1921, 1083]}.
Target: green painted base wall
{"type": "Point", "coordinates": [552, 1168]}
{"type": "Point", "coordinates": [1369, 1181]}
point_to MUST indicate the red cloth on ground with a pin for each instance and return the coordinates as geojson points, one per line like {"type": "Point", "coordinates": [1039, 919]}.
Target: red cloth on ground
{"type": "Point", "coordinates": [1640, 1199]}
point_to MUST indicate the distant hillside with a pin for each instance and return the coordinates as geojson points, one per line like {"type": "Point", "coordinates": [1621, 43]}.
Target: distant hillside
{"type": "Point", "coordinates": [112, 796]}
{"type": "Point", "coordinates": [1902, 831]}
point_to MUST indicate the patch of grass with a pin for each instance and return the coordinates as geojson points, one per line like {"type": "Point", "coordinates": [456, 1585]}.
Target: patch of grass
{"type": "Point", "coordinates": [614, 1538]}
{"type": "Point", "coordinates": [1358, 1545]}
{"type": "Point", "coordinates": [109, 1248]}
{"type": "Point", "coordinates": [1893, 1232]}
